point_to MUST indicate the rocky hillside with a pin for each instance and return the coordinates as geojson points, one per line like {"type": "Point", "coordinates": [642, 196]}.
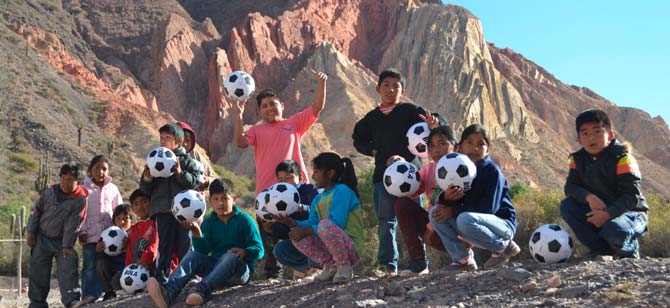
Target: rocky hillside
{"type": "Point", "coordinates": [115, 70]}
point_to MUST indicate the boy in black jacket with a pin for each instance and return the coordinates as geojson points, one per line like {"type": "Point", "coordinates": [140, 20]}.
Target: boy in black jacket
{"type": "Point", "coordinates": [604, 205]}
{"type": "Point", "coordinates": [381, 134]}
{"type": "Point", "coordinates": [172, 237]}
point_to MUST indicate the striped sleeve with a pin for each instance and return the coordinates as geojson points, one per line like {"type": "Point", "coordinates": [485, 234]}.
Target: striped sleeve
{"type": "Point", "coordinates": [627, 164]}
{"type": "Point", "coordinates": [573, 166]}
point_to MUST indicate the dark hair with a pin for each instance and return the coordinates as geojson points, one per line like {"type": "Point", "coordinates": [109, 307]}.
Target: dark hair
{"type": "Point", "coordinates": [263, 94]}
{"type": "Point", "coordinates": [593, 115]}
{"type": "Point", "coordinates": [445, 131]}
{"type": "Point", "coordinates": [137, 194]}
{"type": "Point", "coordinates": [475, 129]}
{"type": "Point", "coordinates": [221, 186]}
{"type": "Point", "coordinates": [344, 169]}
{"type": "Point", "coordinates": [391, 73]}
{"type": "Point", "coordinates": [96, 159]}
{"type": "Point", "coordinates": [120, 209]}
{"type": "Point", "coordinates": [289, 166]}
{"type": "Point", "coordinates": [174, 129]}
{"type": "Point", "coordinates": [70, 168]}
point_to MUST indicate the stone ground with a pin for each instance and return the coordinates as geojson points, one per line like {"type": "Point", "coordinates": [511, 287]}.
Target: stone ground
{"type": "Point", "coordinates": [604, 283]}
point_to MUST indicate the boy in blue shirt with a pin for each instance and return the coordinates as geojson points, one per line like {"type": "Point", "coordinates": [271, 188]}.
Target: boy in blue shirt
{"type": "Point", "coordinates": [227, 246]}
{"type": "Point", "coordinates": [604, 205]}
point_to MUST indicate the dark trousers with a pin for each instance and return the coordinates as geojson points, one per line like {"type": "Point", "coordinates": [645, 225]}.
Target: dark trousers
{"type": "Point", "coordinates": [617, 236]}
{"type": "Point", "coordinates": [108, 271]}
{"type": "Point", "coordinates": [413, 223]}
{"type": "Point", "coordinates": [172, 239]}
{"type": "Point", "coordinates": [39, 273]}
{"type": "Point", "coordinates": [270, 267]}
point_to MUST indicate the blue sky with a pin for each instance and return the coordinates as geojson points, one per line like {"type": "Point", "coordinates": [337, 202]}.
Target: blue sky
{"type": "Point", "coordinates": [619, 49]}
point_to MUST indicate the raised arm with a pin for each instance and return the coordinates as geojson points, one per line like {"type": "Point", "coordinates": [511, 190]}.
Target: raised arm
{"type": "Point", "coordinates": [238, 131]}
{"type": "Point", "coordinates": [320, 99]}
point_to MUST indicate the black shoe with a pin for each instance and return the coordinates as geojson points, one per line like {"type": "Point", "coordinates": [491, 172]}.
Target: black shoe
{"type": "Point", "coordinates": [108, 295]}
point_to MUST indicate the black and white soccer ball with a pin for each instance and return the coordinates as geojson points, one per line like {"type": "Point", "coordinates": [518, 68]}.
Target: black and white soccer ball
{"type": "Point", "coordinates": [188, 205]}
{"type": "Point", "coordinates": [134, 278]}
{"type": "Point", "coordinates": [417, 139]}
{"type": "Point", "coordinates": [551, 244]}
{"type": "Point", "coordinates": [260, 205]}
{"type": "Point", "coordinates": [281, 198]}
{"type": "Point", "coordinates": [239, 86]}
{"type": "Point", "coordinates": [161, 162]}
{"type": "Point", "coordinates": [401, 179]}
{"type": "Point", "coordinates": [113, 239]}
{"type": "Point", "coordinates": [455, 169]}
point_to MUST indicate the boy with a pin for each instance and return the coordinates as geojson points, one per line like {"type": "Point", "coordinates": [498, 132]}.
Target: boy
{"type": "Point", "coordinates": [604, 205]}
{"type": "Point", "coordinates": [52, 232]}
{"type": "Point", "coordinates": [226, 248]}
{"type": "Point", "coordinates": [381, 134]}
{"type": "Point", "coordinates": [107, 266]}
{"type": "Point", "coordinates": [275, 235]}
{"type": "Point", "coordinates": [278, 139]}
{"type": "Point", "coordinates": [172, 238]}
{"type": "Point", "coordinates": [204, 170]}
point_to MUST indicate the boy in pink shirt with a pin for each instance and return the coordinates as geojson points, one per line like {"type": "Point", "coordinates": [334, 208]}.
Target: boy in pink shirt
{"type": "Point", "coordinates": [278, 139]}
{"type": "Point", "coordinates": [412, 218]}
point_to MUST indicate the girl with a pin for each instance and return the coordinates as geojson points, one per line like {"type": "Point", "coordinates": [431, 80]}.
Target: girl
{"type": "Point", "coordinates": [483, 216]}
{"type": "Point", "coordinates": [108, 268]}
{"type": "Point", "coordinates": [412, 218]}
{"type": "Point", "coordinates": [103, 198]}
{"type": "Point", "coordinates": [333, 233]}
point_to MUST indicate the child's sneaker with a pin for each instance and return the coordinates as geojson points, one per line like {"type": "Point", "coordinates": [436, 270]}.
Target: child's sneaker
{"type": "Point", "coordinates": [326, 274]}
{"type": "Point", "coordinates": [468, 264]}
{"type": "Point", "coordinates": [500, 258]}
{"type": "Point", "coordinates": [344, 274]}
{"type": "Point", "coordinates": [158, 293]}
{"type": "Point", "coordinates": [410, 273]}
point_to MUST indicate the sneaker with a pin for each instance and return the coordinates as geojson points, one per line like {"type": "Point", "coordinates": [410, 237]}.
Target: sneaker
{"type": "Point", "coordinates": [498, 259]}
{"type": "Point", "coordinates": [345, 273]}
{"type": "Point", "coordinates": [469, 265]}
{"type": "Point", "coordinates": [326, 274]}
{"type": "Point", "coordinates": [195, 299]}
{"type": "Point", "coordinates": [310, 273]}
{"type": "Point", "coordinates": [410, 273]}
{"type": "Point", "coordinates": [158, 293]}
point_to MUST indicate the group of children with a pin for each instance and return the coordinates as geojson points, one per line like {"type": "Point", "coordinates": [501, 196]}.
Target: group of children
{"type": "Point", "coordinates": [604, 206]}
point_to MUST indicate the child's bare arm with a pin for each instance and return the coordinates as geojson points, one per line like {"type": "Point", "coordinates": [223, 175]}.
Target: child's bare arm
{"type": "Point", "coordinates": [320, 99]}
{"type": "Point", "coordinates": [238, 130]}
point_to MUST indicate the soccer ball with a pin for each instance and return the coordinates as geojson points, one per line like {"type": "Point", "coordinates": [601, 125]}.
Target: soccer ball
{"type": "Point", "coordinates": [551, 244]}
{"type": "Point", "coordinates": [260, 205]}
{"type": "Point", "coordinates": [161, 162]}
{"type": "Point", "coordinates": [401, 179]}
{"type": "Point", "coordinates": [188, 206]}
{"type": "Point", "coordinates": [239, 86]}
{"type": "Point", "coordinates": [134, 278]}
{"type": "Point", "coordinates": [455, 169]}
{"type": "Point", "coordinates": [417, 138]}
{"type": "Point", "coordinates": [113, 239]}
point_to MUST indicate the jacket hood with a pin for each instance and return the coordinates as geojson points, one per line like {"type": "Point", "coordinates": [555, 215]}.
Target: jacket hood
{"type": "Point", "coordinates": [187, 127]}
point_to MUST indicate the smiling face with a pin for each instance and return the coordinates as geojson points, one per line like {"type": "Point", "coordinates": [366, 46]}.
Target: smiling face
{"type": "Point", "coordinates": [594, 137]}
{"type": "Point", "coordinates": [123, 221]}
{"type": "Point", "coordinates": [439, 146]}
{"type": "Point", "coordinates": [475, 147]}
{"type": "Point", "coordinates": [140, 207]}
{"type": "Point", "coordinates": [222, 203]}
{"type": "Point", "coordinates": [271, 109]}
{"type": "Point", "coordinates": [390, 90]}
{"type": "Point", "coordinates": [99, 172]}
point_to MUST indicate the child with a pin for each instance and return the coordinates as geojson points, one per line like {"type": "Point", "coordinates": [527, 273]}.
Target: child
{"type": "Point", "coordinates": [287, 171]}
{"type": "Point", "coordinates": [412, 218]}
{"type": "Point", "coordinates": [278, 139]}
{"type": "Point", "coordinates": [604, 205]}
{"type": "Point", "coordinates": [204, 170]}
{"type": "Point", "coordinates": [381, 134]}
{"type": "Point", "coordinates": [52, 233]}
{"type": "Point", "coordinates": [333, 234]}
{"type": "Point", "coordinates": [103, 198]}
{"type": "Point", "coordinates": [106, 266]}
{"type": "Point", "coordinates": [226, 248]}
{"type": "Point", "coordinates": [483, 216]}
{"type": "Point", "coordinates": [172, 238]}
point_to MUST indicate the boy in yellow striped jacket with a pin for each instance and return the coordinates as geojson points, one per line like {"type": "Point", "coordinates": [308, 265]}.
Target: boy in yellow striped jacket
{"type": "Point", "coordinates": [604, 206]}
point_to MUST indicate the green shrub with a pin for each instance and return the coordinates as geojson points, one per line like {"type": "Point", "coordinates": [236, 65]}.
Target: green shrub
{"type": "Point", "coordinates": [655, 242]}
{"type": "Point", "coordinates": [245, 187]}
{"type": "Point", "coordinates": [22, 162]}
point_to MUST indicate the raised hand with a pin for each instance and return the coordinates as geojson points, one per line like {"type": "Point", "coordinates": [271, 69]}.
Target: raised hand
{"type": "Point", "coordinates": [431, 120]}
{"type": "Point", "coordinates": [321, 76]}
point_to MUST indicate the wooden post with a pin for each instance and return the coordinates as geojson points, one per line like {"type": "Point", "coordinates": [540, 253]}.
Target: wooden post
{"type": "Point", "coordinates": [79, 136]}
{"type": "Point", "coordinates": [20, 254]}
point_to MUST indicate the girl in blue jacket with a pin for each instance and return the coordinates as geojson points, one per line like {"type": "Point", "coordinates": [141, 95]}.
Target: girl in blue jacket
{"type": "Point", "coordinates": [482, 216]}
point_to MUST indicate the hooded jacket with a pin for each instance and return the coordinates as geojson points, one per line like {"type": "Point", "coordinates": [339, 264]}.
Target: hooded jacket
{"type": "Point", "coordinates": [101, 202]}
{"type": "Point", "coordinates": [57, 215]}
{"type": "Point", "coordinates": [204, 171]}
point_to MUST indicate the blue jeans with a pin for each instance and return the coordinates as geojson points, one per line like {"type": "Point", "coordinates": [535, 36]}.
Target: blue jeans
{"type": "Point", "coordinates": [617, 236]}
{"type": "Point", "coordinates": [216, 272]}
{"type": "Point", "coordinates": [89, 279]}
{"type": "Point", "coordinates": [482, 230]}
{"type": "Point", "coordinates": [287, 255]}
{"type": "Point", "coordinates": [387, 222]}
